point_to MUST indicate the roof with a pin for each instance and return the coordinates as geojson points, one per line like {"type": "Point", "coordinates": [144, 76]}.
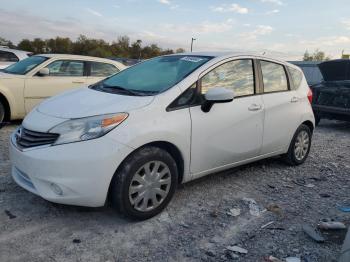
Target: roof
{"type": "Point", "coordinates": [223, 55]}
{"type": "Point", "coordinates": [82, 57]}
{"type": "Point", "coordinates": [305, 63]}
{"type": "Point", "coordinates": [16, 51]}
{"type": "Point", "coordinates": [72, 56]}
{"type": "Point", "coordinates": [217, 54]}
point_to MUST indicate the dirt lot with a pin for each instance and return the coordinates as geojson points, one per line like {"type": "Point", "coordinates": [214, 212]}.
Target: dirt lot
{"type": "Point", "coordinates": [195, 226]}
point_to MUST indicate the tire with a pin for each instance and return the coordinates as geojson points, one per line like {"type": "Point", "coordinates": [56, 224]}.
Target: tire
{"type": "Point", "coordinates": [132, 182]}
{"type": "Point", "coordinates": [2, 113]}
{"type": "Point", "coordinates": [297, 156]}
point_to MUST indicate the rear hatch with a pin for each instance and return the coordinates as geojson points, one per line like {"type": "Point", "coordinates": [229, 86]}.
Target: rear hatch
{"type": "Point", "coordinates": [335, 90]}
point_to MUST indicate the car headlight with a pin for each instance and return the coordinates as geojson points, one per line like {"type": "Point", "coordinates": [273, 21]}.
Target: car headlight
{"type": "Point", "coordinates": [88, 128]}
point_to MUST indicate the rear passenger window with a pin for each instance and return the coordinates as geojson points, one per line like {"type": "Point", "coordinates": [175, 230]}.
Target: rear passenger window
{"type": "Point", "coordinates": [297, 77]}
{"type": "Point", "coordinates": [66, 68]}
{"type": "Point", "coordinates": [8, 57]}
{"type": "Point", "coordinates": [237, 75]}
{"type": "Point", "coordinates": [274, 77]}
{"type": "Point", "coordinates": [102, 69]}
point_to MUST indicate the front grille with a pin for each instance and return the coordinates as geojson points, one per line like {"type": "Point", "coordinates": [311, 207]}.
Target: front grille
{"type": "Point", "coordinates": [26, 138]}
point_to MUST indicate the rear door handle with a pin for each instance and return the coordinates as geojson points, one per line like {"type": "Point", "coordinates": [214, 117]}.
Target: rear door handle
{"type": "Point", "coordinates": [255, 107]}
{"type": "Point", "coordinates": [78, 82]}
{"type": "Point", "coordinates": [294, 99]}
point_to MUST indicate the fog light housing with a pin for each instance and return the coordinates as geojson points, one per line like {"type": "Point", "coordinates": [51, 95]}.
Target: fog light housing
{"type": "Point", "coordinates": [56, 189]}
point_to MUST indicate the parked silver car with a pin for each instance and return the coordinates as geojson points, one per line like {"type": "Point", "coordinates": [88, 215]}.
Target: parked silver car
{"type": "Point", "coordinates": [10, 56]}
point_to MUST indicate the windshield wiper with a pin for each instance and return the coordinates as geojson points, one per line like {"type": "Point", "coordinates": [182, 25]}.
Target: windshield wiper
{"type": "Point", "coordinates": [119, 89]}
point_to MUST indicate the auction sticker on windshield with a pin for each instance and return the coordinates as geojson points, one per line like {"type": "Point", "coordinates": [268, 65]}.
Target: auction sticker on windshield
{"type": "Point", "coordinates": [191, 59]}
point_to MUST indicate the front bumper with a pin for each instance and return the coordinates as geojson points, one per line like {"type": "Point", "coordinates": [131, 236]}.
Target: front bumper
{"type": "Point", "coordinates": [74, 174]}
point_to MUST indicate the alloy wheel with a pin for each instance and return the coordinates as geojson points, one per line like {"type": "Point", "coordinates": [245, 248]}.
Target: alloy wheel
{"type": "Point", "coordinates": [301, 146]}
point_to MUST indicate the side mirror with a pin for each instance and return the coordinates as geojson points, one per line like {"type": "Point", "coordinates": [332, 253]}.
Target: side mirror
{"type": "Point", "coordinates": [44, 72]}
{"type": "Point", "coordinates": [217, 95]}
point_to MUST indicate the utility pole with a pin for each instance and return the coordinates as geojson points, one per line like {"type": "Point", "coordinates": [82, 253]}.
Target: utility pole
{"type": "Point", "coordinates": [193, 39]}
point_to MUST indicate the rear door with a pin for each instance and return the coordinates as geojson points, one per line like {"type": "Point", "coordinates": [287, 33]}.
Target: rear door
{"type": "Point", "coordinates": [64, 75]}
{"type": "Point", "coordinates": [281, 101]}
{"type": "Point", "coordinates": [229, 132]}
{"type": "Point", "coordinates": [98, 71]}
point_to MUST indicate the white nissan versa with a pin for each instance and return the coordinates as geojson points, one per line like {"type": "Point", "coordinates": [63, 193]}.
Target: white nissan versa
{"type": "Point", "coordinates": [135, 135]}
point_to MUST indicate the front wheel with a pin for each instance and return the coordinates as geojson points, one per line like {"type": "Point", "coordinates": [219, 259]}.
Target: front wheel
{"type": "Point", "coordinates": [300, 146]}
{"type": "Point", "coordinates": [145, 183]}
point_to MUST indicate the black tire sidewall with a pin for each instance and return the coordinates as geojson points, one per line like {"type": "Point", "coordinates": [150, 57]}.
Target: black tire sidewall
{"type": "Point", "coordinates": [292, 146]}
{"type": "Point", "coordinates": [2, 113]}
{"type": "Point", "coordinates": [123, 177]}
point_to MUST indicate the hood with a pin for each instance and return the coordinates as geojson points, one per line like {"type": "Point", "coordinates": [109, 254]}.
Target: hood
{"type": "Point", "coordinates": [85, 102]}
{"type": "Point", "coordinates": [4, 75]}
{"type": "Point", "coordinates": [335, 70]}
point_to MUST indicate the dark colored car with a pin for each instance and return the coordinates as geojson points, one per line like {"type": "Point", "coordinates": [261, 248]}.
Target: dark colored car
{"type": "Point", "coordinates": [311, 71]}
{"type": "Point", "coordinates": [331, 97]}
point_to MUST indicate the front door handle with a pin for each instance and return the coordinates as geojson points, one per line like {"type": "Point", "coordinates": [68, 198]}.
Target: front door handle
{"type": "Point", "coordinates": [255, 107]}
{"type": "Point", "coordinates": [294, 99]}
{"type": "Point", "coordinates": [78, 82]}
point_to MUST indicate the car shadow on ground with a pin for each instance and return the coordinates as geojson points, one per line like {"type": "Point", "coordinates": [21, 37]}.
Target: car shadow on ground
{"type": "Point", "coordinates": [335, 125]}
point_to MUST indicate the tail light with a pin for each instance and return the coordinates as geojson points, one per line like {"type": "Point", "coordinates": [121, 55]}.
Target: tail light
{"type": "Point", "coordinates": [309, 95]}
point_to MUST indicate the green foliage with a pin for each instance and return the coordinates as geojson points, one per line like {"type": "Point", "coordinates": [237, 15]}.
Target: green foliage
{"type": "Point", "coordinates": [123, 47]}
{"type": "Point", "coordinates": [5, 42]}
{"type": "Point", "coordinates": [316, 56]}
{"type": "Point", "coordinates": [180, 50]}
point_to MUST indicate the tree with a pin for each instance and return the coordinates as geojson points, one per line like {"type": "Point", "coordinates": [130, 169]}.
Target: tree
{"type": "Point", "coordinates": [136, 49]}
{"type": "Point", "coordinates": [121, 48]}
{"type": "Point", "coordinates": [5, 42]}
{"type": "Point", "coordinates": [25, 45]}
{"type": "Point", "coordinates": [59, 45]}
{"type": "Point", "coordinates": [180, 50]}
{"type": "Point", "coordinates": [316, 56]}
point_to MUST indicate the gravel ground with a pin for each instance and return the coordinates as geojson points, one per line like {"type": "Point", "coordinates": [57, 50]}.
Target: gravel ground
{"type": "Point", "coordinates": [195, 226]}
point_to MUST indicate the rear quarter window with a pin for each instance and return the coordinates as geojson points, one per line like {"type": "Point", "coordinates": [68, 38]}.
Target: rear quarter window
{"type": "Point", "coordinates": [8, 57]}
{"type": "Point", "coordinates": [297, 77]}
{"type": "Point", "coordinates": [102, 69]}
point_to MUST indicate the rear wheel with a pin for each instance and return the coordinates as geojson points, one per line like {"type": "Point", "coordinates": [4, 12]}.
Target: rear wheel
{"type": "Point", "coordinates": [299, 147]}
{"type": "Point", "coordinates": [145, 183]}
{"type": "Point", "coordinates": [2, 113]}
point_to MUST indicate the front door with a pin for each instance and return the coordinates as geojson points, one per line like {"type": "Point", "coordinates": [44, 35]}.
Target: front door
{"type": "Point", "coordinates": [229, 132]}
{"type": "Point", "coordinates": [64, 75]}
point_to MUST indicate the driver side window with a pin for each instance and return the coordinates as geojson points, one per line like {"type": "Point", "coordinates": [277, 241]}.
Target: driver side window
{"type": "Point", "coordinates": [237, 75]}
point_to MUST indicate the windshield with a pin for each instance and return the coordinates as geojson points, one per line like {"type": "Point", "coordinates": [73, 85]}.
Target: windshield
{"type": "Point", "coordinates": [24, 66]}
{"type": "Point", "coordinates": [312, 74]}
{"type": "Point", "coordinates": [152, 76]}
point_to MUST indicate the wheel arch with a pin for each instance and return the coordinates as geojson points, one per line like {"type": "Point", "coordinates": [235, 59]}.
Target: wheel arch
{"type": "Point", "coordinates": [172, 149]}
{"type": "Point", "coordinates": [309, 124]}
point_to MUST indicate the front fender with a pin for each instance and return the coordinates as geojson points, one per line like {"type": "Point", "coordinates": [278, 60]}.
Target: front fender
{"type": "Point", "coordinates": [12, 90]}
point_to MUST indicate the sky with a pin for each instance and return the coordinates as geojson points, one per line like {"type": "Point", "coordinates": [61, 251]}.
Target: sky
{"type": "Point", "coordinates": [283, 27]}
